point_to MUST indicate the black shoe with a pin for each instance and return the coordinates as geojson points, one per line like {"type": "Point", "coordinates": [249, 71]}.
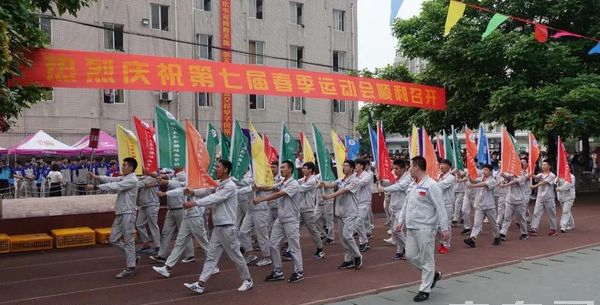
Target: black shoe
{"type": "Point", "coordinates": [296, 277]}
{"type": "Point", "coordinates": [497, 241]}
{"type": "Point", "coordinates": [329, 241]}
{"type": "Point", "coordinates": [462, 221]}
{"type": "Point", "coordinates": [502, 237]}
{"type": "Point", "coordinates": [470, 242]}
{"type": "Point", "coordinates": [319, 254]}
{"type": "Point", "coordinates": [369, 235]}
{"type": "Point", "coordinates": [357, 263]}
{"type": "Point", "coordinates": [364, 247]}
{"type": "Point", "coordinates": [399, 256]}
{"type": "Point", "coordinates": [454, 222]}
{"type": "Point", "coordinates": [465, 231]}
{"type": "Point", "coordinates": [275, 276]}
{"type": "Point", "coordinates": [323, 237]}
{"type": "Point", "coordinates": [421, 296]}
{"type": "Point", "coordinates": [158, 259]}
{"type": "Point", "coordinates": [436, 278]}
{"type": "Point", "coordinates": [355, 235]}
{"type": "Point", "coordinates": [346, 265]}
{"type": "Point", "coordinates": [524, 236]}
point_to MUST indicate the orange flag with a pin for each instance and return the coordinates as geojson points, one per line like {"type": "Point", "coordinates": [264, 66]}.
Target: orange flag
{"type": "Point", "coordinates": [471, 153]}
{"type": "Point", "coordinates": [509, 162]}
{"type": "Point", "coordinates": [197, 159]}
{"type": "Point", "coordinates": [563, 171]}
{"type": "Point", "coordinates": [534, 154]}
{"type": "Point", "coordinates": [433, 167]}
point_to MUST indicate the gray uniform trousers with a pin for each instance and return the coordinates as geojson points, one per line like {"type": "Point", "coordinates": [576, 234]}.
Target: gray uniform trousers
{"type": "Point", "coordinates": [148, 215]}
{"type": "Point", "coordinates": [347, 227]}
{"type": "Point", "coordinates": [519, 211]}
{"type": "Point", "coordinates": [449, 211]}
{"type": "Point", "coordinates": [550, 207]}
{"type": "Point", "coordinates": [173, 221]}
{"type": "Point", "coordinates": [399, 237]}
{"type": "Point", "coordinates": [491, 215]}
{"type": "Point", "coordinates": [224, 238]}
{"type": "Point", "coordinates": [124, 226]}
{"type": "Point", "coordinates": [291, 231]}
{"type": "Point", "coordinates": [566, 220]}
{"type": "Point", "coordinates": [242, 210]}
{"type": "Point", "coordinates": [420, 246]}
{"type": "Point", "coordinates": [501, 209]}
{"type": "Point", "coordinates": [466, 210]}
{"type": "Point", "coordinates": [191, 226]}
{"type": "Point", "coordinates": [324, 217]}
{"type": "Point", "coordinates": [308, 218]}
{"type": "Point", "coordinates": [458, 203]}
{"type": "Point", "coordinates": [362, 224]}
{"type": "Point", "coordinates": [259, 221]}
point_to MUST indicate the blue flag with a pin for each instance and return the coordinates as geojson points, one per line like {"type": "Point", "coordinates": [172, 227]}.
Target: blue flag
{"type": "Point", "coordinates": [483, 148]}
{"type": "Point", "coordinates": [373, 137]}
{"type": "Point", "coordinates": [352, 148]}
{"type": "Point", "coordinates": [396, 4]}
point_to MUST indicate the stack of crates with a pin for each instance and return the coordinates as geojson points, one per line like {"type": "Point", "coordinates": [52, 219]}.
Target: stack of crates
{"type": "Point", "coordinates": [4, 243]}
{"type": "Point", "coordinates": [74, 237]}
{"type": "Point", "coordinates": [102, 235]}
{"type": "Point", "coordinates": [30, 242]}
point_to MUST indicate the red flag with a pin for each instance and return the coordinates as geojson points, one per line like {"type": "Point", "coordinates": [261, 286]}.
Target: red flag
{"type": "Point", "coordinates": [433, 167]}
{"type": "Point", "coordinates": [541, 33]}
{"type": "Point", "coordinates": [271, 152]}
{"type": "Point", "coordinates": [471, 153]}
{"type": "Point", "coordinates": [509, 162]}
{"type": "Point", "coordinates": [197, 159]}
{"type": "Point", "coordinates": [384, 163]}
{"type": "Point", "coordinates": [145, 134]}
{"type": "Point", "coordinates": [440, 147]}
{"type": "Point", "coordinates": [563, 170]}
{"type": "Point", "coordinates": [534, 154]}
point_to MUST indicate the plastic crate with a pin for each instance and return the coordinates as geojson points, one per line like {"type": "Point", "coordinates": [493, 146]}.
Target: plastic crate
{"type": "Point", "coordinates": [74, 237]}
{"type": "Point", "coordinates": [30, 242]}
{"type": "Point", "coordinates": [4, 243]}
{"type": "Point", "coordinates": [102, 235]}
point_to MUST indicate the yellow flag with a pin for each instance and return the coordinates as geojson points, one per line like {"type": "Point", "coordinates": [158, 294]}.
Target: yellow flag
{"type": "Point", "coordinates": [414, 143]}
{"type": "Point", "coordinates": [261, 169]}
{"type": "Point", "coordinates": [307, 151]}
{"type": "Point", "coordinates": [128, 146]}
{"type": "Point", "coordinates": [455, 12]}
{"type": "Point", "coordinates": [339, 150]}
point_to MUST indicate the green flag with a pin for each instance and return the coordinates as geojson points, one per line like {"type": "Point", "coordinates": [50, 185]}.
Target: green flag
{"type": "Point", "coordinates": [212, 140]}
{"type": "Point", "coordinates": [239, 154]}
{"type": "Point", "coordinates": [323, 156]}
{"type": "Point", "coordinates": [170, 138]}
{"type": "Point", "coordinates": [457, 151]}
{"type": "Point", "coordinates": [495, 22]}
{"type": "Point", "coordinates": [450, 155]}
{"type": "Point", "coordinates": [288, 146]}
{"type": "Point", "coordinates": [515, 143]}
{"type": "Point", "coordinates": [225, 145]}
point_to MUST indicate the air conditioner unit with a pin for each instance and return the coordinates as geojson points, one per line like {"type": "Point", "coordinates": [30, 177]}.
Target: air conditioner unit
{"type": "Point", "coordinates": [166, 96]}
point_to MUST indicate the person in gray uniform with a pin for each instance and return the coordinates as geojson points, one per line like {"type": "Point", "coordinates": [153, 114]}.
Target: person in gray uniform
{"type": "Point", "coordinates": [245, 195]}
{"type": "Point", "coordinates": [148, 215]}
{"type": "Point", "coordinates": [324, 214]}
{"type": "Point", "coordinates": [459, 195]}
{"type": "Point", "coordinates": [565, 192]}
{"type": "Point", "coordinates": [308, 192]}
{"type": "Point", "coordinates": [347, 210]}
{"type": "Point", "coordinates": [224, 235]}
{"type": "Point", "coordinates": [446, 182]}
{"type": "Point", "coordinates": [422, 214]}
{"type": "Point", "coordinates": [257, 220]}
{"type": "Point", "coordinates": [545, 200]}
{"type": "Point", "coordinates": [467, 206]}
{"type": "Point", "coordinates": [517, 199]}
{"type": "Point", "coordinates": [484, 206]}
{"type": "Point", "coordinates": [501, 196]}
{"type": "Point", "coordinates": [365, 179]}
{"type": "Point", "coordinates": [125, 210]}
{"type": "Point", "coordinates": [287, 224]}
{"type": "Point", "coordinates": [273, 203]}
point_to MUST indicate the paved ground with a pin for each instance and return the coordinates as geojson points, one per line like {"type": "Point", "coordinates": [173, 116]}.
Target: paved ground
{"type": "Point", "coordinates": [86, 275]}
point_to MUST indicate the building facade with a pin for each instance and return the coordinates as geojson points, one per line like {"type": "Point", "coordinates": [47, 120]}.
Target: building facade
{"type": "Point", "coordinates": [291, 34]}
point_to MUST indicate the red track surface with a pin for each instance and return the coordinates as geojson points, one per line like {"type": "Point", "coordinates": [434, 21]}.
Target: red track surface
{"type": "Point", "coordinates": [86, 275]}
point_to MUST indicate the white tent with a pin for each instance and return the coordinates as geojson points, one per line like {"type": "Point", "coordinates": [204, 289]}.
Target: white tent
{"type": "Point", "coordinates": [42, 143]}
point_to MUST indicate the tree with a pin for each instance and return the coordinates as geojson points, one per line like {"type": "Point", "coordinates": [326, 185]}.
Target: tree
{"type": "Point", "coordinates": [19, 33]}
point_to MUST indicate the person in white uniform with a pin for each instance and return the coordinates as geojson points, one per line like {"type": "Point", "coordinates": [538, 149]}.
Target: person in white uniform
{"type": "Point", "coordinates": [517, 199]}
{"type": "Point", "coordinates": [565, 192]}
{"type": "Point", "coordinates": [148, 215]}
{"type": "Point", "coordinates": [365, 179]}
{"type": "Point", "coordinates": [485, 206]}
{"type": "Point", "coordinates": [446, 182]}
{"type": "Point", "coordinates": [459, 195]}
{"type": "Point", "coordinates": [324, 214]}
{"type": "Point", "coordinates": [545, 200]}
{"type": "Point", "coordinates": [308, 192]}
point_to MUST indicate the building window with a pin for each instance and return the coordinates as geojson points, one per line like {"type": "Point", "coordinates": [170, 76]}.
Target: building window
{"type": "Point", "coordinates": [257, 52]}
{"type": "Point", "coordinates": [296, 103]}
{"type": "Point", "coordinates": [114, 96]}
{"type": "Point", "coordinates": [160, 16]}
{"type": "Point", "coordinates": [203, 5]}
{"type": "Point", "coordinates": [204, 99]}
{"type": "Point", "coordinates": [256, 9]}
{"type": "Point", "coordinates": [48, 95]}
{"type": "Point", "coordinates": [297, 56]}
{"type": "Point", "coordinates": [339, 61]}
{"type": "Point", "coordinates": [339, 20]}
{"type": "Point", "coordinates": [296, 13]}
{"type": "Point", "coordinates": [113, 37]}
{"type": "Point", "coordinates": [339, 106]}
{"type": "Point", "coordinates": [205, 46]}
{"type": "Point", "coordinates": [256, 101]}
{"type": "Point", "coordinates": [46, 27]}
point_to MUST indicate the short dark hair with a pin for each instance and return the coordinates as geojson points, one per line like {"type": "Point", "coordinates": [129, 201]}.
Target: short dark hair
{"type": "Point", "coordinates": [362, 162]}
{"type": "Point", "coordinates": [350, 163]}
{"type": "Point", "coordinates": [226, 164]}
{"type": "Point", "coordinates": [311, 166]}
{"type": "Point", "coordinates": [488, 166]}
{"type": "Point", "coordinates": [547, 161]}
{"type": "Point", "coordinates": [420, 162]}
{"type": "Point", "coordinates": [400, 163]}
{"type": "Point", "coordinates": [275, 163]}
{"type": "Point", "coordinates": [446, 161]}
{"type": "Point", "coordinates": [54, 167]}
{"type": "Point", "coordinates": [289, 164]}
{"type": "Point", "coordinates": [132, 162]}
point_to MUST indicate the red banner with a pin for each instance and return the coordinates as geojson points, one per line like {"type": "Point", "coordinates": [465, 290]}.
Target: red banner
{"type": "Point", "coordinates": [563, 170]}
{"type": "Point", "coordinates": [509, 161]}
{"type": "Point", "coordinates": [226, 98]}
{"type": "Point", "coordinates": [384, 163]}
{"type": "Point", "coordinates": [534, 154]}
{"type": "Point", "coordinates": [94, 137]}
{"type": "Point", "coordinates": [471, 153]}
{"type": "Point", "coordinates": [145, 135]}
{"type": "Point", "coordinates": [82, 69]}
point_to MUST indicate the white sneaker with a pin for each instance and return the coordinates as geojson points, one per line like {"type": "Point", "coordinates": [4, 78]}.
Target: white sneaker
{"type": "Point", "coordinates": [162, 271]}
{"type": "Point", "coordinates": [390, 241]}
{"type": "Point", "coordinates": [389, 232]}
{"type": "Point", "coordinates": [216, 271]}
{"type": "Point", "coordinates": [250, 258]}
{"type": "Point", "coordinates": [188, 259]}
{"type": "Point", "coordinates": [246, 285]}
{"type": "Point", "coordinates": [265, 261]}
{"type": "Point", "coordinates": [195, 287]}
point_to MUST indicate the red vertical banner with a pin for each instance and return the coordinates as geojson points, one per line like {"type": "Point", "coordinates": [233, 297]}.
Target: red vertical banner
{"type": "Point", "coordinates": [145, 134]}
{"type": "Point", "coordinates": [226, 98]}
{"type": "Point", "coordinates": [384, 163]}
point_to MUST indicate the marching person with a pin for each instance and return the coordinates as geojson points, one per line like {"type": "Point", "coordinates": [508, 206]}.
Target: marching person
{"type": "Point", "coordinates": [364, 180]}
{"type": "Point", "coordinates": [125, 210]}
{"type": "Point", "coordinates": [257, 219]}
{"type": "Point", "coordinates": [324, 214]}
{"type": "Point", "coordinates": [484, 206]}
{"type": "Point", "coordinates": [148, 215]}
{"type": "Point", "coordinates": [423, 213]}
{"type": "Point", "coordinates": [565, 192]}
{"type": "Point", "coordinates": [224, 234]}
{"type": "Point", "coordinates": [501, 193]}
{"type": "Point", "coordinates": [517, 200]}
{"type": "Point", "coordinates": [308, 192]}
{"type": "Point", "coordinates": [459, 194]}
{"type": "Point", "coordinates": [467, 206]}
{"type": "Point", "coordinates": [446, 182]}
{"type": "Point", "coordinates": [544, 200]}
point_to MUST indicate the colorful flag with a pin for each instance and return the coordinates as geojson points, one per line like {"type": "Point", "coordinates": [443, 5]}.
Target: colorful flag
{"type": "Point", "coordinates": [339, 151]}
{"type": "Point", "coordinates": [323, 157]}
{"type": "Point", "coordinates": [433, 167]}
{"type": "Point", "coordinates": [541, 33]}
{"type": "Point", "coordinates": [288, 146]}
{"type": "Point", "coordinates": [384, 164]}
{"type": "Point", "coordinates": [595, 49]}
{"type": "Point", "coordinates": [353, 147]}
{"type": "Point", "coordinates": [414, 143]}
{"type": "Point", "coordinates": [239, 154]}
{"type": "Point", "coordinates": [494, 23]}
{"type": "Point", "coordinates": [198, 159]}
{"type": "Point", "coordinates": [307, 151]}
{"type": "Point", "coordinates": [271, 152]}
{"type": "Point", "coordinates": [225, 146]}
{"type": "Point", "coordinates": [261, 168]}
{"type": "Point", "coordinates": [471, 153]}
{"type": "Point", "coordinates": [128, 147]}
{"type": "Point", "coordinates": [448, 149]}
{"type": "Point", "coordinates": [212, 141]}
{"type": "Point", "coordinates": [170, 138]}
{"type": "Point", "coordinates": [440, 147]}
{"type": "Point", "coordinates": [534, 154]}
{"type": "Point", "coordinates": [145, 134]}
{"type": "Point", "coordinates": [483, 148]}
{"type": "Point", "coordinates": [396, 4]}
{"type": "Point", "coordinates": [455, 12]}
{"type": "Point", "coordinates": [458, 161]}
{"type": "Point", "coordinates": [373, 138]}
{"type": "Point", "coordinates": [509, 160]}
{"type": "Point", "coordinates": [563, 170]}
